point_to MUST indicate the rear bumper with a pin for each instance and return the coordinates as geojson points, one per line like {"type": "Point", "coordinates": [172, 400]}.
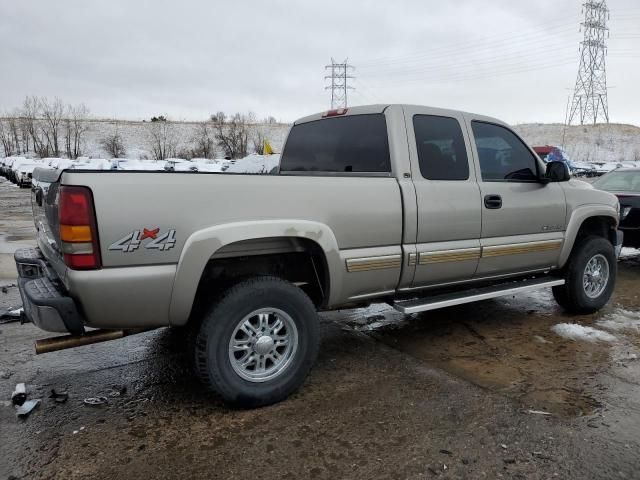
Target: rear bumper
{"type": "Point", "coordinates": [44, 299]}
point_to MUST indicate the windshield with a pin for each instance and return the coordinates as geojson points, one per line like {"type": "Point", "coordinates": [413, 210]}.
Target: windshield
{"type": "Point", "coordinates": [619, 181]}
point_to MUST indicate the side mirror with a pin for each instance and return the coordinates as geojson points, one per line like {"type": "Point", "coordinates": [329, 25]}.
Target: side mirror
{"type": "Point", "coordinates": [557, 172]}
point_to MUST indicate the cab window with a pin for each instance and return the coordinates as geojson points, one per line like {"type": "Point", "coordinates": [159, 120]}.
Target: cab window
{"type": "Point", "coordinates": [356, 143]}
{"type": "Point", "coordinates": [442, 153]}
{"type": "Point", "coordinates": [503, 156]}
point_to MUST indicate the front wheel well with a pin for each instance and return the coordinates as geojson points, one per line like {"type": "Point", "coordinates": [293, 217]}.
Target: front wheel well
{"type": "Point", "coordinates": [600, 226]}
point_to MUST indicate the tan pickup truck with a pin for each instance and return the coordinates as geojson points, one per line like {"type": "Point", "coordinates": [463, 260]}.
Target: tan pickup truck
{"type": "Point", "coordinates": [418, 207]}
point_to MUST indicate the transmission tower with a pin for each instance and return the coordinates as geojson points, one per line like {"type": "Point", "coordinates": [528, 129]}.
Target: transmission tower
{"type": "Point", "coordinates": [590, 102]}
{"type": "Point", "coordinates": [339, 82]}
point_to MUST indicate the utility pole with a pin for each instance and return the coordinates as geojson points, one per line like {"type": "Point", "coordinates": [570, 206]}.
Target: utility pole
{"type": "Point", "coordinates": [339, 83]}
{"type": "Point", "coordinates": [590, 101]}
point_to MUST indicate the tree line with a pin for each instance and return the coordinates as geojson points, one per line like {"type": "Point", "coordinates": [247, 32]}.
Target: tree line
{"type": "Point", "coordinates": [50, 128]}
{"type": "Point", "coordinates": [44, 127]}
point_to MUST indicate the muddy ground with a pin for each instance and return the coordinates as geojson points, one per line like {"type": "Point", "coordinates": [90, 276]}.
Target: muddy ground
{"type": "Point", "coordinates": [447, 394]}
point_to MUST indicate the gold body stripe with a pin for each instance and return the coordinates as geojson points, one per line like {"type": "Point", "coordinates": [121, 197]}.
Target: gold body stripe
{"type": "Point", "coordinates": [374, 263]}
{"type": "Point", "coordinates": [521, 248]}
{"type": "Point", "coordinates": [461, 255]}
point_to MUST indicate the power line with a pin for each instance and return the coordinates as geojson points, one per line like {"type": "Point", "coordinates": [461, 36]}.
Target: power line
{"type": "Point", "coordinates": [339, 82]}
{"type": "Point", "coordinates": [590, 101]}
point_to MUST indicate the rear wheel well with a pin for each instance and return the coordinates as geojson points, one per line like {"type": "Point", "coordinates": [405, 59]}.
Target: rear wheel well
{"type": "Point", "coordinates": [296, 260]}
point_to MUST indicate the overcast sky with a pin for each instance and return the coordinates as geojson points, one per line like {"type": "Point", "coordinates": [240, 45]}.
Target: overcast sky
{"type": "Point", "coordinates": [187, 59]}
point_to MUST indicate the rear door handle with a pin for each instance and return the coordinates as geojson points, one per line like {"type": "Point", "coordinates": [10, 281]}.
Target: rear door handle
{"type": "Point", "coordinates": [493, 202]}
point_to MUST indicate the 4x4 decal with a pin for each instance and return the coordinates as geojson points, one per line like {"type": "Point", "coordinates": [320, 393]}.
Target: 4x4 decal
{"type": "Point", "coordinates": [132, 241]}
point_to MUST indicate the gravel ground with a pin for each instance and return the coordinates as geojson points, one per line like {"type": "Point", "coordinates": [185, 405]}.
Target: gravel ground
{"type": "Point", "coordinates": [444, 395]}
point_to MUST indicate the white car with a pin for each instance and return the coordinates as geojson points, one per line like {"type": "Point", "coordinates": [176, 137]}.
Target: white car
{"type": "Point", "coordinates": [24, 173]}
{"type": "Point", "coordinates": [15, 176]}
{"type": "Point", "coordinates": [129, 164]}
{"type": "Point", "coordinates": [7, 164]}
{"type": "Point", "coordinates": [91, 164]}
{"type": "Point", "coordinates": [58, 163]}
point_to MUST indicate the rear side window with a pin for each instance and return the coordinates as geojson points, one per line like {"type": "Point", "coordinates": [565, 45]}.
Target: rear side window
{"type": "Point", "coordinates": [442, 153]}
{"type": "Point", "coordinates": [344, 144]}
{"type": "Point", "coordinates": [503, 156]}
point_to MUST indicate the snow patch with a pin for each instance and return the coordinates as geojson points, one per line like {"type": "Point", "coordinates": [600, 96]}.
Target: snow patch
{"type": "Point", "coordinates": [573, 331]}
{"type": "Point", "coordinates": [621, 320]}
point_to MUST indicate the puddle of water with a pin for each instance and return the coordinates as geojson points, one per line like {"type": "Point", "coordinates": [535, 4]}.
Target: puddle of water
{"type": "Point", "coordinates": [8, 246]}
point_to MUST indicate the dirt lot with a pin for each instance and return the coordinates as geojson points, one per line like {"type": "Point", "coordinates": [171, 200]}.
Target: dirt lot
{"type": "Point", "coordinates": [442, 395]}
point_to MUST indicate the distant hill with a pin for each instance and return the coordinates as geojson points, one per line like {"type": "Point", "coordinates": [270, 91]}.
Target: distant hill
{"type": "Point", "coordinates": [589, 143]}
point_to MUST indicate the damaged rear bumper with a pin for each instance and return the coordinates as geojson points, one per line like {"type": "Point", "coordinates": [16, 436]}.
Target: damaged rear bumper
{"type": "Point", "coordinates": [45, 301]}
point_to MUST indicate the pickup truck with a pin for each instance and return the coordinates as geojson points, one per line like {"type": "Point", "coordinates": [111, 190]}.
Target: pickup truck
{"type": "Point", "coordinates": [418, 207]}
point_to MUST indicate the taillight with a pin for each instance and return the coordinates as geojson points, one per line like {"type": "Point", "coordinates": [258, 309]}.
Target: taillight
{"type": "Point", "coordinates": [78, 231]}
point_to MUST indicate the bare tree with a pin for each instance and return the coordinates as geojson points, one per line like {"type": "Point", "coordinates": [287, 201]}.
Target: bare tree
{"type": "Point", "coordinates": [113, 144]}
{"type": "Point", "coordinates": [75, 128]}
{"type": "Point", "coordinates": [204, 143]}
{"type": "Point", "coordinates": [219, 117]}
{"type": "Point", "coordinates": [233, 136]}
{"type": "Point", "coordinates": [14, 133]}
{"type": "Point", "coordinates": [6, 138]}
{"type": "Point", "coordinates": [31, 125]}
{"type": "Point", "coordinates": [162, 140]}
{"type": "Point", "coordinates": [52, 113]}
{"type": "Point", "coordinates": [258, 140]}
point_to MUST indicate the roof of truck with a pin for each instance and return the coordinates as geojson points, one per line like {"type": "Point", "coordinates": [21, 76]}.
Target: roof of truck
{"type": "Point", "coordinates": [381, 107]}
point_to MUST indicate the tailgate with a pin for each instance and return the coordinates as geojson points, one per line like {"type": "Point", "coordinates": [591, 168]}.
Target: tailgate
{"type": "Point", "coordinates": [44, 202]}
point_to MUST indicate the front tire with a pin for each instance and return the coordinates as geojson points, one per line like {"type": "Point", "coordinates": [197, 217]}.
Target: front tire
{"type": "Point", "coordinates": [590, 277]}
{"type": "Point", "coordinates": [257, 343]}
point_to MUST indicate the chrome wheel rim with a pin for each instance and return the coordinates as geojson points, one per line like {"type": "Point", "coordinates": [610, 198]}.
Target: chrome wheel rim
{"type": "Point", "coordinates": [263, 344]}
{"type": "Point", "coordinates": [596, 276]}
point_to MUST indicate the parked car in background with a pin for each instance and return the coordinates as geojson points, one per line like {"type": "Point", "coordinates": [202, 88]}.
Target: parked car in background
{"type": "Point", "coordinates": [582, 169]}
{"type": "Point", "coordinates": [19, 171]}
{"type": "Point", "coordinates": [625, 184]}
{"type": "Point", "coordinates": [24, 173]}
{"type": "Point", "coordinates": [137, 165]}
{"type": "Point", "coordinates": [549, 153]}
{"type": "Point", "coordinates": [603, 168]}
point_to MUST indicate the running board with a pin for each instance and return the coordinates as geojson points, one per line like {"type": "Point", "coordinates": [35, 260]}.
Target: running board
{"type": "Point", "coordinates": [474, 295]}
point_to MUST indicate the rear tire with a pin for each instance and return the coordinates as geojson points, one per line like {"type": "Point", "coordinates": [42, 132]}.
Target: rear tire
{"type": "Point", "coordinates": [590, 276]}
{"type": "Point", "coordinates": [257, 343]}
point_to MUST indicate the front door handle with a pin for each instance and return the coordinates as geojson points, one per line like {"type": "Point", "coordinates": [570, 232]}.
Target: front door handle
{"type": "Point", "coordinates": [493, 202]}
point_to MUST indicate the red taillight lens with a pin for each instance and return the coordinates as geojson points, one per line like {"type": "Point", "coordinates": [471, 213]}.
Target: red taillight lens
{"type": "Point", "coordinates": [75, 206]}
{"type": "Point", "coordinates": [78, 231]}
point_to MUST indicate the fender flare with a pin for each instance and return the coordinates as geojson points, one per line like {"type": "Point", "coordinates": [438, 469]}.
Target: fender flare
{"type": "Point", "coordinates": [578, 217]}
{"type": "Point", "coordinates": [203, 244]}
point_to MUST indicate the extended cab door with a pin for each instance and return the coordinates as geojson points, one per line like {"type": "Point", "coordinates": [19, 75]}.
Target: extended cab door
{"type": "Point", "coordinates": [523, 219]}
{"type": "Point", "coordinates": [447, 196]}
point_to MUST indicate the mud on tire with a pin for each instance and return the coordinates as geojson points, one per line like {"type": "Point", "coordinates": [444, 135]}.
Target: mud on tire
{"type": "Point", "coordinates": [257, 342]}
{"type": "Point", "coordinates": [584, 292]}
